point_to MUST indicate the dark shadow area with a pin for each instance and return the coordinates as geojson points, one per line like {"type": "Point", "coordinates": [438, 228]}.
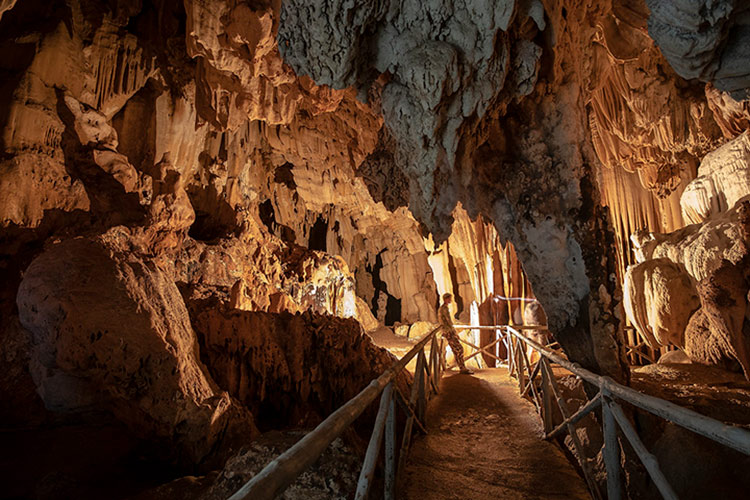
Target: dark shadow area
{"type": "Point", "coordinates": [284, 174]}
{"type": "Point", "coordinates": [268, 217]}
{"type": "Point", "coordinates": [21, 406]}
{"type": "Point", "coordinates": [80, 460]}
{"type": "Point", "coordinates": [14, 59]}
{"type": "Point", "coordinates": [384, 179]}
{"type": "Point", "coordinates": [214, 216]}
{"type": "Point", "coordinates": [247, 355]}
{"type": "Point", "coordinates": [454, 280]}
{"type": "Point", "coordinates": [160, 28]}
{"type": "Point", "coordinates": [111, 205]}
{"type": "Point", "coordinates": [318, 233]}
{"type": "Point", "coordinates": [135, 124]}
{"type": "Point", "coordinates": [393, 305]}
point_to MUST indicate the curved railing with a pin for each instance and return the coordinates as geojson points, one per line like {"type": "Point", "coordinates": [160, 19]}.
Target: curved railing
{"type": "Point", "coordinates": [613, 416]}
{"type": "Point", "coordinates": [282, 471]}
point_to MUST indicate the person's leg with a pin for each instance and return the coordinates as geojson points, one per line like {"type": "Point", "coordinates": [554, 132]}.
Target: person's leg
{"type": "Point", "coordinates": [457, 348]}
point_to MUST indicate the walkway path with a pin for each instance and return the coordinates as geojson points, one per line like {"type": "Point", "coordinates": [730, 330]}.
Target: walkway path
{"type": "Point", "coordinates": [485, 442]}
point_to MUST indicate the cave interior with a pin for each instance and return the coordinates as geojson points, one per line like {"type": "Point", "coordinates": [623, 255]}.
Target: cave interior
{"type": "Point", "coordinates": [220, 220]}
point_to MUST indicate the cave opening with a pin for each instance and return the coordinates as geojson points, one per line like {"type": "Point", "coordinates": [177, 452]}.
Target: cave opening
{"type": "Point", "coordinates": [392, 313]}
{"type": "Point", "coordinates": [318, 235]}
{"type": "Point", "coordinates": [215, 218]}
{"type": "Point", "coordinates": [267, 216]}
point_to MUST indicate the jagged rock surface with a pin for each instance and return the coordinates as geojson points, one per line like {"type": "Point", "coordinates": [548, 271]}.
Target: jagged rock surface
{"type": "Point", "coordinates": [288, 370]}
{"type": "Point", "coordinates": [334, 475]}
{"type": "Point", "coordinates": [358, 160]}
{"type": "Point", "coordinates": [691, 289]}
{"type": "Point", "coordinates": [723, 179]}
{"type": "Point", "coordinates": [446, 62]}
{"type": "Point", "coordinates": [705, 39]}
{"type": "Point", "coordinates": [110, 331]}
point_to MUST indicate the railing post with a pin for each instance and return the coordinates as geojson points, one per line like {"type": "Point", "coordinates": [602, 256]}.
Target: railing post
{"type": "Point", "coordinates": [413, 402]}
{"type": "Point", "coordinates": [611, 451]}
{"type": "Point", "coordinates": [511, 354]}
{"type": "Point", "coordinates": [564, 411]}
{"type": "Point", "coordinates": [278, 474]}
{"type": "Point", "coordinates": [647, 458]}
{"type": "Point", "coordinates": [373, 447]}
{"type": "Point", "coordinates": [442, 357]}
{"type": "Point", "coordinates": [421, 397]}
{"type": "Point", "coordinates": [546, 399]}
{"type": "Point", "coordinates": [519, 366]}
{"type": "Point", "coordinates": [390, 451]}
{"type": "Point", "coordinates": [434, 364]}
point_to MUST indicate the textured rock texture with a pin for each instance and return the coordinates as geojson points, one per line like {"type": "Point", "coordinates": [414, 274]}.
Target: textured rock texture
{"type": "Point", "coordinates": [705, 39]}
{"type": "Point", "coordinates": [691, 289]}
{"type": "Point", "coordinates": [446, 63]}
{"type": "Point", "coordinates": [334, 475]}
{"type": "Point", "coordinates": [723, 179]}
{"type": "Point", "coordinates": [291, 165]}
{"type": "Point", "coordinates": [472, 118]}
{"type": "Point", "coordinates": [284, 368]}
{"type": "Point", "coordinates": [111, 331]}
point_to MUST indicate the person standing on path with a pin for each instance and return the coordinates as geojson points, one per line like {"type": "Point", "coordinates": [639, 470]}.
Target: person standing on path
{"type": "Point", "coordinates": [450, 334]}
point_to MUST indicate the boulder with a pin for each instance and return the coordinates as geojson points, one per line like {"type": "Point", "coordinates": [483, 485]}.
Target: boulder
{"type": "Point", "coordinates": [289, 369]}
{"type": "Point", "coordinates": [673, 357]}
{"type": "Point", "coordinates": [723, 179]}
{"type": "Point", "coordinates": [659, 299]}
{"type": "Point", "coordinates": [110, 331]}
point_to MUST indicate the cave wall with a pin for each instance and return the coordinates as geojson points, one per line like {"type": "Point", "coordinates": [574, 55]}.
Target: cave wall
{"type": "Point", "coordinates": [593, 123]}
{"type": "Point", "coordinates": [154, 145]}
{"type": "Point", "coordinates": [501, 129]}
{"type": "Point", "coordinates": [358, 160]}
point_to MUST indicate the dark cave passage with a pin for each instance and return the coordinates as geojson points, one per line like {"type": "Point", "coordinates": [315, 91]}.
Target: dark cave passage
{"type": "Point", "coordinates": [393, 305]}
{"type": "Point", "coordinates": [318, 233]}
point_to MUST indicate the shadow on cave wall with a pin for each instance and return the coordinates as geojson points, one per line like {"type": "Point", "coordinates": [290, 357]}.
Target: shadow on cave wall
{"type": "Point", "coordinates": [110, 204]}
{"type": "Point", "coordinates": [214, 217]}
{"type": "Point", "coordinates": [393, 305]}
{"type": "Point", "coordinates": [318, 233]}
{"type": "Point", "coordinates": [268, 218]}
{"type": "Point", "coordinates": [454, 280]}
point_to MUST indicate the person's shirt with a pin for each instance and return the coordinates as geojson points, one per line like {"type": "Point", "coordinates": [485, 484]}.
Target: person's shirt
{"type": "Point", "coordinates": [444, 316]}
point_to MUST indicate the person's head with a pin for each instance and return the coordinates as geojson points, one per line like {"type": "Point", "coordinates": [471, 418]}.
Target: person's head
{"type": "Point", "coordinates": [447, 298]}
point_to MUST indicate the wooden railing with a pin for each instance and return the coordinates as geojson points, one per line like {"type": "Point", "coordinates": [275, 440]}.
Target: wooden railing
{"type": "Point", "coordinates": [282, 471]}
{"type": "Point", "coordinates": [613, 417]}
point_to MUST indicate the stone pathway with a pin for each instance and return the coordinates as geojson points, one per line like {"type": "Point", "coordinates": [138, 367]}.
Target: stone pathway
{"type": "Point", "coordinates": [485, 442]}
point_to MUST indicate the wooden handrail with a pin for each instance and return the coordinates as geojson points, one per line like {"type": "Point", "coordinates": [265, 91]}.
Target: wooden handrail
{"type": "Point", "coordinates": [731, 436]}
{"type": "Point", "coordinates": [284, 469]}
{"type": "Point", "coordinates": [613, 417]}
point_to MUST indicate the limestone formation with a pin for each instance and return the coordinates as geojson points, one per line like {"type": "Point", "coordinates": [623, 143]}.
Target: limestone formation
{"type": "Point", "coordinates": [286, 369]}
{"type": "Point", "coordinates": [110, 331]}
{"type": "Point", "coordinates": [446, 63]}
{"type": "Point", "coordinates": [723, 179]}
{"type": "Point", "coordinates": [200, 199]}
{"type": "Point", "coordinates": [690, 290]}
{"type": "Point", "coordinates": [659, 301]}
{"type": "Point", "coordinates": [705, 40]}
{"type": "Point", "coordinates": [732, 116]}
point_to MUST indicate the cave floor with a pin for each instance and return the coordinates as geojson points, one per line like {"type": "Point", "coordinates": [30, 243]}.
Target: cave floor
{"type": "Point", "coordinates": [484, 442]}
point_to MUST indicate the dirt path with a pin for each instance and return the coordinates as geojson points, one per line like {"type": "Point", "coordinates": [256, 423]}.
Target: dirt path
{"type": "Point", "coordinates": [484, 442]}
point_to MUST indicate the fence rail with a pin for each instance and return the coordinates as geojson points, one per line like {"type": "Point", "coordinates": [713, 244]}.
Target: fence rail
{"type": "Point", "coordinates": [284, 469]}
{"type": "Point", "coordinates": [613, 417]}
